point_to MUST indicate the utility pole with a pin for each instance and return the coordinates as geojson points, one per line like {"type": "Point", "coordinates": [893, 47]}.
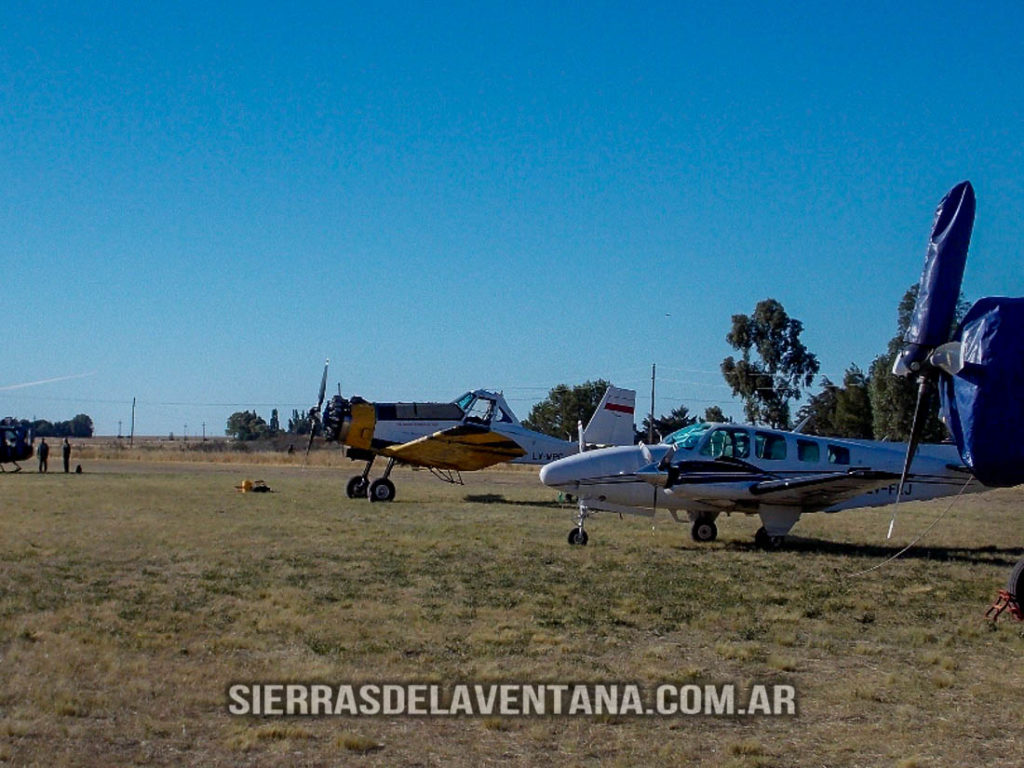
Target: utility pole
{"type": "Point", "coordinates": [650, 424]}
{"type": "Point", "coordinates": [131, 439]}
{"type": "Point", "coordinates": [204, 431]}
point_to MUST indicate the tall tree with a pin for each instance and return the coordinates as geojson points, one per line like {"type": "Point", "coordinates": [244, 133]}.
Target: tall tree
{"type": "Point", "coordinates": [299, 423]}
{"type": "Point", "coordinates": [820, 410]}
{"type": "Point", "coordinates": [246, 425]}
{"type": "Point", "coordinates": [853, 406]}
{"type": "Point", "coordinates": [715, 415]}
{"type": "Point", "coordinates": [559, 413]}
{"type": "Point", "coordinates": [767, 384]}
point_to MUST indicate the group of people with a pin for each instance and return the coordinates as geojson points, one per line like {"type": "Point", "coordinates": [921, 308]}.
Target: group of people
{"type": "Point", "coordinates": [44, 453]}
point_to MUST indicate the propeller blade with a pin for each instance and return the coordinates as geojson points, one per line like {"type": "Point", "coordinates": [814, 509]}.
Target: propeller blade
{"type": "Point", "coordinates": [323, 386]}
{"type": "Point", "coordinates": [646, 453]}
{"type": "Point", "coordinates": [939, 288]}
{"type": "Point", "coordinates": [314, 413]}
{"type": "Point", "coordinates": [920, 416]}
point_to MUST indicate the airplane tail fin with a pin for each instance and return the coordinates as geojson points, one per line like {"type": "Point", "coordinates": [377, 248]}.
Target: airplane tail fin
{"type": "Point", "coordinates": [612, 422]}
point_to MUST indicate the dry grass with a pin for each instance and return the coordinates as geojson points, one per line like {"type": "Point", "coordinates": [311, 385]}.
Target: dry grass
{"type": "Point", "coordinates": [131, 596]}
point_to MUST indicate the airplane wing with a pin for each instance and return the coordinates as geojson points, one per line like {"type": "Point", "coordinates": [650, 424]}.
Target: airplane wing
{"type": "Point", "coordinates": [722, 483]}
{"type": "Point", "coordinates": [463, 448]}
{"type": "Point", "coordinates": [822, 490]}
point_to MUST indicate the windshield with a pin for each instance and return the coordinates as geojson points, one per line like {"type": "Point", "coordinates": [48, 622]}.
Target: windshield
{"type": "Point", "coordinates": [687, 437]}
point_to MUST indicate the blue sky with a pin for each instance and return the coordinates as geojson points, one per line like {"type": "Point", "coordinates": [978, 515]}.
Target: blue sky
{"type": "Point", "coordinates": [202, 201]}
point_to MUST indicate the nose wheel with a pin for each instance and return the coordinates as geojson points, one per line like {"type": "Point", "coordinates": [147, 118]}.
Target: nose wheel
{"type": "Point", "coordinates": [578, 536]}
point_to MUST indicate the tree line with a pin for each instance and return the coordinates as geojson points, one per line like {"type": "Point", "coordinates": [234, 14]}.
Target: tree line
{"type": "Point", "coordinates": [80, 426]}
{"type": "Point", "coordinates": [771, 369]}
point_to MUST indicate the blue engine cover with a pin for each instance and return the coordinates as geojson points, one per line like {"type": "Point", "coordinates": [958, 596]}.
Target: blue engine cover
{"type": "Point", "coordinates": [983, 405]}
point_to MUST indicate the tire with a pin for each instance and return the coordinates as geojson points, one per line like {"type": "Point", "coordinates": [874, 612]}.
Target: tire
{"type": "Point", "coordinates": [764, 541]}
{"type": "Point", "coordinates": [704, 531]}
{"type": "Point", "coordinates": [356, 488]}
{"type": "Point", "coordinates": [382, 490]}
{"type": "Point", "coordinates": [578, 537]}
{"type": "Point", "coordinates": [1015, 584]}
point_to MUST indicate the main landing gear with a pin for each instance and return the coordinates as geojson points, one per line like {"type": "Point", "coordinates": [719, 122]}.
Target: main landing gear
{"type": "Point", "coordinates": [764, 541]}
{"type": "Point", "coordinates": [704, 529]}
{"type": "Point", "coordinates": [381, 489]}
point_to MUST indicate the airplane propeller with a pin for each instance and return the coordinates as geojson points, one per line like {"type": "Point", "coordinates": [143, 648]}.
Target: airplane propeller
{"type": "Point", "coordinates": [314, 413]}
{"type": "Point", "coordinates": [929, 352]}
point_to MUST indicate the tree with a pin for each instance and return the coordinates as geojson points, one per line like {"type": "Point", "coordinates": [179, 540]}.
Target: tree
{"type": "Point", "coordinates": [784, 366]}
{"type": "Point", "coordinates": [893, 398]}
{"type": "Point", "coordinates": [559, 414]}
{"type": "Point", "coordinates": [853, 406]}
{"type": "Point", "coordinates": [275, 423]}
{"type": "Point", "coordinates": [666, 425]}
{"type": "Point", "coordinates": [299, 423]}
{"type": "Point", "coordinates": [81, 426]}
{"type": "Point", "coordinates": [820, 410]}
{"type": "Point", "coordinates": [714, 414]}
{"type": "Point", "coordinates": [840, 411]}
{"type": "Point", "coordinates": [246, 425]}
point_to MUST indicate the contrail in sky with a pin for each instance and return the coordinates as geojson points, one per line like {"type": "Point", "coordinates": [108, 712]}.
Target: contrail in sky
{"type": "Point", "coordinates": [46, 381]}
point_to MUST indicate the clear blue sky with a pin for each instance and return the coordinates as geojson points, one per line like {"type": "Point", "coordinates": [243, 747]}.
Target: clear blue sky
{"type": "Point", "coordinates": [202, 201]}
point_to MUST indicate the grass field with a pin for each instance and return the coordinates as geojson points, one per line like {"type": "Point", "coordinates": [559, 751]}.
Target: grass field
{"type": "Point", "coordinates": [132, 595]}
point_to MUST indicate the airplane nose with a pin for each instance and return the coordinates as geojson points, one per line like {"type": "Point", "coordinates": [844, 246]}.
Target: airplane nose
{"type": "Point", "coordinates": [558, 474]}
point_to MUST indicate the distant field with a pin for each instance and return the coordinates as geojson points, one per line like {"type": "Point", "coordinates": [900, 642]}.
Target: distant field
{"type": "Point", "coordinates": [132, 595]}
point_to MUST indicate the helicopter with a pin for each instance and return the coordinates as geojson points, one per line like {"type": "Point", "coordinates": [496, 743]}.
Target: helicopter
{"type": "Point", "coordinates": [16, 442]}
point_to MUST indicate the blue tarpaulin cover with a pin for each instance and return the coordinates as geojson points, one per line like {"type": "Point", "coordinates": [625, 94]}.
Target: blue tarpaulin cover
{"type": "Point", "coordinates": [983, 405]}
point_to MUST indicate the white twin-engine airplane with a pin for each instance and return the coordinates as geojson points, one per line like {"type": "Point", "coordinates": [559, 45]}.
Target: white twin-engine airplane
{"type": "Point", "coordinates": [706, 469]}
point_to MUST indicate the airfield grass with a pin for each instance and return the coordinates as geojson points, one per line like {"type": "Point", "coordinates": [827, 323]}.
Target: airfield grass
{"type": "Point", "coordinates": [132, 595]}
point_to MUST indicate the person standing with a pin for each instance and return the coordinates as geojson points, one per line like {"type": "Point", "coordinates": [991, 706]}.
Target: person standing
{"type": "Point", "coordinates": [66, 450]}
{"type": "Point", "coordinates": [44, 453]}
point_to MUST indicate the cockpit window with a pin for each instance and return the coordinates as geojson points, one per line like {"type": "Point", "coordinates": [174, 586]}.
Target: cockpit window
{"type": "Point", "coordinates": [729, 442]}
{"type": "Point", "coordinates": [464, 401]}
{"type": "Point", "coordinates": [687, 437]}
{"type": "Point", "coordinates": [480, 410]}
{"type": "Point", "coordinates": [504, 415]}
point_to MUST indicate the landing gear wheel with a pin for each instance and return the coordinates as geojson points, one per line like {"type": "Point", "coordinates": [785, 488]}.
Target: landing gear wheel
{"type": "Point", "coordinates": [356, 488]}
{"type": "Point", "coordinates": [578, 537]}
{"type": "Point", "coordinates": [764, 541]}
{"type": "Point", "coordinates": [704, 530]}
{"type": "Point", "coordinates": [382, 490]}
{"type": "Point", "coordinates": [1015, 584]}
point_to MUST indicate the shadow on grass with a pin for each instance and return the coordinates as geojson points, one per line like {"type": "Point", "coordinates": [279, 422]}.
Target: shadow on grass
{"type": "Point", "coordinates": [988, 554]}
{"type": "Point", "coordinates": [497, 498]}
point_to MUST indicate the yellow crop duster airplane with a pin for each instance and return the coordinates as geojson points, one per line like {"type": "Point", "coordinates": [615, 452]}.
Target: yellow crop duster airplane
{"type": "Point", "coordinates": [475, 431]}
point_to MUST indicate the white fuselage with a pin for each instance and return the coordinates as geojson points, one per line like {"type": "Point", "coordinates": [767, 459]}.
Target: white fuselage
{"type": "Point", "coordinates": [613, 478]}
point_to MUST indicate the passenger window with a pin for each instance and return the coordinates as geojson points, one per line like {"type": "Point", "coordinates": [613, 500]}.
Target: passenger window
{"type": "Point", "coordinates": [838, 455]}
{"type": "Point", "coordinates": [808, 451]}
{"type": "Point", "coordinates": [771, 447]}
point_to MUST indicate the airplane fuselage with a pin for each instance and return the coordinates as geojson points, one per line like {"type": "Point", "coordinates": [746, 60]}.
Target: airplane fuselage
{"type": "Point", "coordinates": [730, 468]}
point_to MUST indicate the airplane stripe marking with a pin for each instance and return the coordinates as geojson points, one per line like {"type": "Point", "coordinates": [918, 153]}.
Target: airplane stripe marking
{"type": "Point", "coordinates": [619, 408]}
